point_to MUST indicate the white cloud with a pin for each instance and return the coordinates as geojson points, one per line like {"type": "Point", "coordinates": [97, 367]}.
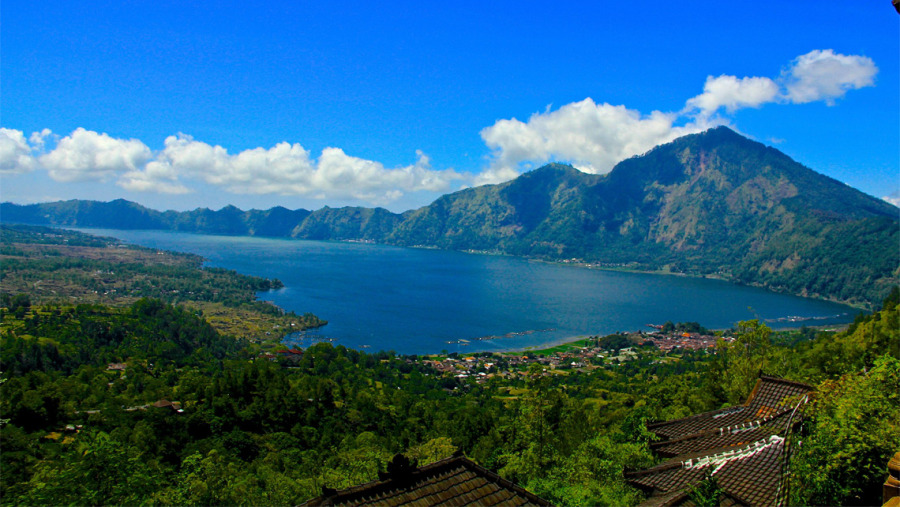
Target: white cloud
{"type": "Point", "coordinates": [733, 94]}
{"type": "Point", "coordinates": [155, 177]}
{"type": "Point", "coordinates": [256, 171]}
{"type": "Point", "coordinates": [38, 139]}
{"type": "Point", "coordinates": [85, 155]}
{"type": "Point", "coordinates": [287, 169]}
{"type": "Point", "coordinates": [826, 75]}
{"type": "Point", "coordinates": [593, 137]}
{"type": "Point", "coordinates": [494, 175]}
{"type": "Point", "coordinates": [893, 198]}
{"type": "Point", "coordinates": [15, 153]}
{"type": "Point", "coordinates": [284, 169]}
{"type": "Point", "coordinates": [817, 75]}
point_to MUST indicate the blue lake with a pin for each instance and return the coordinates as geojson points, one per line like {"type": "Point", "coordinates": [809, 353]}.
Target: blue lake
{"type": "Point", "coordinates": [425, 301]}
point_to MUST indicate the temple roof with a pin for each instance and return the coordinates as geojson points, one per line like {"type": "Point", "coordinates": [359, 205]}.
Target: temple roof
{"type": "Point", "coordinates": [748, 475]}
{"type": "Point", "coordinates": [767, 400]}
{"type": "Point", "coordinates": [453, 481]}
{"type": "Point", "coordinates": [730, 436]}
{"type": "Point", "coordinates": [742, 447]}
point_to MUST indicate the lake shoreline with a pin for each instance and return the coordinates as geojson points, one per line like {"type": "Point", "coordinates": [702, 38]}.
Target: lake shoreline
{"type": "Point", "coordinates": [578, 263]}
{"type": "Point", "coordinates": [575, 340]}
{"type": "Point", "coordinates": [422, 301]}
{"type": "Point", "coordinates": [588, 265]}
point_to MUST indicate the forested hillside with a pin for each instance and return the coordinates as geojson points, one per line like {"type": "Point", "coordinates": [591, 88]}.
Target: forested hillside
{"type": "Point", "coordinates": [710, 204]}
{"type": "Point", "coordinates": [58, 266]}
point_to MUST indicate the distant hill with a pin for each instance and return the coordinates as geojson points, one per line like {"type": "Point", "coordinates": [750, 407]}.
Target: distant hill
{"type": "Point", "coordinates": [714, 204]}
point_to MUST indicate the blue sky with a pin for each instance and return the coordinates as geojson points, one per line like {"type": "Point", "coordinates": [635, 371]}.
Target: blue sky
{"type": "Point", "coordinates": [178, 105]}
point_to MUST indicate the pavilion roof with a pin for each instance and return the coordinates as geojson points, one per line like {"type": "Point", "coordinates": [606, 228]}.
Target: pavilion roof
{"type": "Point", "coordinates": [769, 398]}
{"type": "Point", "coordinates": [453, 481]}
{"type": "Point", "coordinates": [743, 447]}
{"type": "Point", "coordinates": [747, 475]}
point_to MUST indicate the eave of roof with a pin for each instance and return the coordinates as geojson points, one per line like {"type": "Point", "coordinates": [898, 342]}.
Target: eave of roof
{"type": "Point", "coordinates": [729, 436]}
{"type": "Point", "coordinates": [434, 484]}
{"type": "Point", "coordinates": [750, 474]}
{"type": "Point", "coordinates": [745, 446]}
{"type": "Point", "coordinates": [764, 402]}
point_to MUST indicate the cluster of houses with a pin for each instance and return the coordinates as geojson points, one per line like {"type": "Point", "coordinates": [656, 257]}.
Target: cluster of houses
{"type": "Point", "coordinates": [693, 341]}
{"type": "Point", "coordinates": [293, 355]}
{"type": "Point", "coordinates": [484, 366]}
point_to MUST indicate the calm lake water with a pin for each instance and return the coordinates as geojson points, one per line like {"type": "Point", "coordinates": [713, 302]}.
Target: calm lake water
{"type": "Point", "coordinates": [415, 301]}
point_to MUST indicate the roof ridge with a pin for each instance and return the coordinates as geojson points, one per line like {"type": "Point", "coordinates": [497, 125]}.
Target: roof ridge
{"type": "Point", "coordinates": [503, 482]}
{"type": "Point", "coordinates": [665, 465]}
{"type": "Point", "coordinates": [397, 489]}
{"type": "Point", "coordinates": [679, 461]}
{"type": "Point", "coordinates": [414, 475]}
{"type": "Point", "coordinates": [729, 455]}
{"type": "Point", "coordinates": [694, 416]}
{"type": "Point", "coordinates": [394, 486]}
{"type": "Point", "coordinates": [780, 380]}
{"type": "Point", "coordinates": [752, 399]}
{"type": "Point", "coordinates": [753, 423]}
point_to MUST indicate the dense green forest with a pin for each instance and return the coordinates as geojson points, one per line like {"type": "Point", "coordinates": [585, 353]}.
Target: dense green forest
{"type": "Point", "coordinates": [709, 204]}
{"type": "Point", "coordinates": [260, 431]}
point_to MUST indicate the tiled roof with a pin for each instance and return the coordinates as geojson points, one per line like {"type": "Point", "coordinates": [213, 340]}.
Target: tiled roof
{"type": "Point", "coordinates": [453, 481]}
{"type": "Point", "coordinates": [765, 401]}
{"type": "Point", "coordinates": [682, 498]}
{"type": "Point", "coordinates": [744, 447]}
{"type": "Point", "coordinates": [732, 436]}
{"type": "Point", "coordinates": [748, 475]}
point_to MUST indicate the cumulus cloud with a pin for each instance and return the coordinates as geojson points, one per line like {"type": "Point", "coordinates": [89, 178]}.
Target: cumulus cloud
{"type": "Point", "coordinates": [255, 171]}
{"type": "Point", "coordinates": [594, 137]}
{"type": "Point", "coordinates": [591, 136]}
{"type": "Point", "coordinates": [15, 153]}
{"type": "Point", "coordinates": [288, 169]}
{"type": "Point", "coordinates": [893, 198]}
{"type": "Point", "coordinates": [494, 174]}
{"type": "Point", "coordinates": [826, 75]}
{"type": "Point", "coordinates": [38, 139]}
{"type": "Point", "coordinates": [820, 75]}
{"type": "Point", "coordinates": [733, 94]}
{"type": "Point", "coordinates": [85, 155]}
{"type": "Point", "coordinates": [284, 169]}
{"type": "Point", "coordinates": [155, 177]}
{"type": "Point", "coordinates": [370, 180]}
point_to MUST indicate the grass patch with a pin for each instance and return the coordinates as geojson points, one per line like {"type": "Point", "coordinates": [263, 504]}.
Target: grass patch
{"type": "Point", "coordinates": [556, 349]}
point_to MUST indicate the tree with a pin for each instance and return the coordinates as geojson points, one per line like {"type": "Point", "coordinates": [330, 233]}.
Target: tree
{"type": "Point", "coordinates": [852, 429]}
{"type": "Point", "coordinates": [98, 470]}
{"type": "Point", "coordinates": [211, 480]}
{"type": "Point", "coordinates": [738, 364]}
{"type": "Point", "coordinates": [707, 492]}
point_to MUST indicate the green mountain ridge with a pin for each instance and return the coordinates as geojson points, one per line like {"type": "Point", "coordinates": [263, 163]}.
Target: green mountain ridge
{"type": "Point", "coordinates": [711, 204]}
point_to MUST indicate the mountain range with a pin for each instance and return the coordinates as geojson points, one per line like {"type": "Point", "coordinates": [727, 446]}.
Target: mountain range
{"type": "Point", "coordinates": [710, 204]}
